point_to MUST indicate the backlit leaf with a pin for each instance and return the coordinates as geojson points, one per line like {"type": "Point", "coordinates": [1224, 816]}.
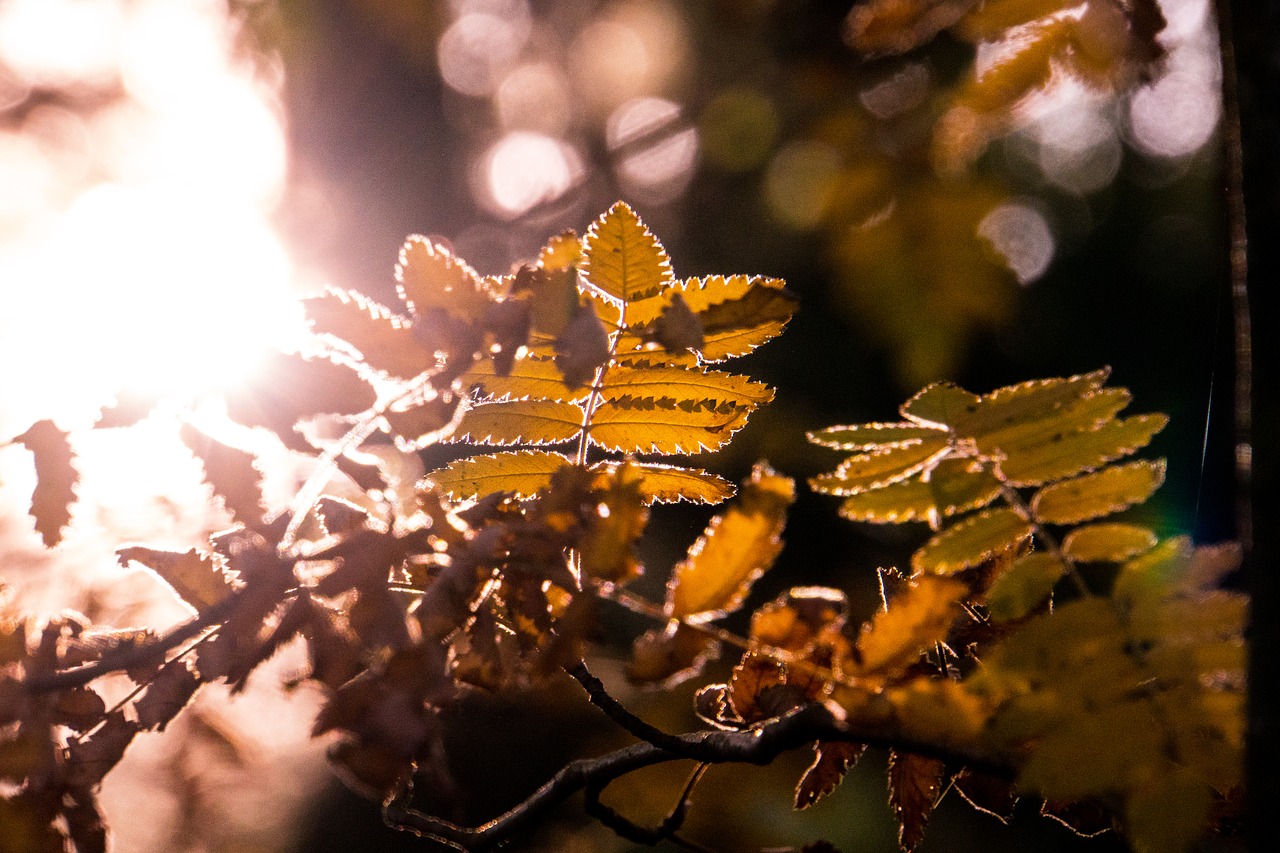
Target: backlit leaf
{"type": "Point", "coordinates": [623, 258]}
{"type": "Point", "coordinates": [289, 388]}
{"type": "Point", "coordinates": [166, 695]}
{"type": "Point", "coordinates": [939, 405]}
{"type": "Point", "coordinates": [915, 784]}
{"type": "Point", "coordinates": [737, 326]}
{"type": "Point", "coordinates": [1079, 451]}
{"type": "Point", "coordinates": [971, 541]}
{"type": "Point", "coordinates": [1100, 493]}
{"type": "Point", "coordinates": [91, 758]}
{"type": "Point", "coordinates": [232, 474]}
{"type": "Point", "coordinates": [870, 436]}
{"type": "Point", "coordinates": [671, 483]}
{"type": "Point", "coordinates": [916, 619]}
{"type": "Point", "coordinates": [644, 425]}
{"type": "Point", "coordinates": [384, 340]}
{"type": "Point", "coordinates": [881, 467]}
{"type": "Point", "coordinates": [737, 547]}
{"type": "Point", "coordinates": [664, 657]}
{"type": "Point", "coordinates": [1110, 542]}
{"type": "Point", "coordinates": [56, 479]}
{"type": "Point", "coordinates": [192, 575]}
{"type": "Point", "coordinates": [1083, 415]}
{"type": "Point", "coordinates": [831, 761]}
{"type": "Point", "coordinates": [606, 549]}
{"type": "Point", "coordinates": [697, 387]}
{"type": "Point", "coordinates": [429, 276]}
{"type": "Point", "coordinates": [954, 486]}
{"type": "Point", "coordinates": [524, 472]}
{"type": "Point", "coordinates": [529, 377]}
{"type": "Point", "coordinates": [519, 422]}
{"type": "Point", "coordinates": [987, 793]}
{"type": "Point", "coordinates": [1011, 406]}
{"type": "Point", "coordinates": [881, 27]}
{"type": "Point", "coordinates": [1023, 586]}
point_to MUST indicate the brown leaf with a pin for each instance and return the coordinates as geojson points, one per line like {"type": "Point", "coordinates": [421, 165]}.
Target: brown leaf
{"type": "Point", "coordinates": [289, 388]}
{"type": "Point", "coordinates": [192, 575]}
{"type": "Point", "coordinates": [677, 329]}
{"type": "Point", "coordinates": [987, 793]}
{"type": "Point", "coordinates": [582, 347]}
{"type": "Point", "coordinates": [28, 752]}
{"type": "Point", "coordinates": [128, 409]}
{"type": "Point", "coordinates": [84, 822]}
{"type": "Point", "coordinates": [794, 619]}
{"type": "Point", "coordinates": [92, 758]}
{"type": "Point", "coordinates": [78, 708]}
{"type": "Point", "coordinates": [759, 689]}
{"type": "Point", "coordinates": [56, 479]}
{"type": "Point", "coordinates": [166, 695]}
{"type": "Point", "coordinates": [832, 760]}
{"type": "Point", "coordinates": [232, 474]}
{"type": "Point", "coordinates": [664, 657]}
{"type": "Point", "coordinates": [915, 783]}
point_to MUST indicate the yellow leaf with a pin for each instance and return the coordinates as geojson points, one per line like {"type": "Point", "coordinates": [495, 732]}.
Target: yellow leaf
{"type": "Point", "coordinates": [606, 547]}
{"type": "Point", "coordinates": [524, 472]}
{"type": "Point", "coordinates": [871, 436]}
{"type": "Point", "coordinates": [520, 422]}
{"type": "Point", "coordinates": [939, 405]}
{"type": "Point", "coordinates": [528, 378]}
{"type": "Point", "coordinates": [1101, 493]}
{"type": "Point", "coordinates": [737, 547]}
{"type": "Point", "coordinates": [686, 385]}
{"type": "Point", "coordinates": [639, 425]}
{"type": "Point", "coordinates": [972, 541]}
{"type": "Point", "coordinates": [622, 257]}
{"type": "Point", "coordinates": [562, 252]}
{"type": "Point", "coordinates": [1024, 586]}
{"type": "Point", "coordinates": [881, 467]}
{"type": "Point", "coordinates": [954, 486]}
{"type": "Point", "coordinates": [193, 576]}
{"type": "Point", "coordinates": [1028, 402]}
{"type": "Point", "coordinates": [916, 619]}
{"type": "Point", "coordinates": [1083, 415]}
{"type": "Point", "coordinates": [429, 276]}
{"type": "Point", "coordinates": [1092, 754]}
{"type": "Point", "coordinates": [1079, 451]}
{"type": "Point", "coordinates": [671, 483]}
{"type": "Point", "coordinates": [383, 340]}
{"type": "Point", "coordinates": [1107, 542]}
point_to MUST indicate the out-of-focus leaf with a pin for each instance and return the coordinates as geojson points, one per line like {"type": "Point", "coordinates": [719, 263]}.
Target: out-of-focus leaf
{"type": "Point", "coordinates": [881, 27]}
{"type": "Point", "coordinates": [24, 753]}
{"type": "Point", "coordinates": [1094, 753]}
{"type": "Point", "coordinates": [289, 388]}
{"type": "Point", "coordinates": [384, 341]}
{"type": "Point", "coordinates": [1111, 542]}
{"type": "Point", "coordinates": [793, 620]}
{"type": "Point", "coordinates": [987, 793]}
{"type": "Point", "coordinates": [56, 479]}
{"type": "Point", "coordinates": [606, 548]}
{"type": "Point", "coordinates": [429, 276]}
{"type": "Point", "coordinates": [523, 472]}
{"type": "Point", "coordinates": [166, 695]}
{"type": "Point", "coordinates": [1168, 813]}
{"type": "Point", "coordinates": [90, 759]}
{"type": "Point", "coordinates": [79, 708]}
{"type": "Point", "coordinates": [831, 761]}
{"type": "Point", "coordinates": [232, 474]}
{"type": "Point", "coordinates": [664, 657]}
{"type": "Point", "coordinates": [971, 542]}
{"type": "Point", "coordinates": [582, 348]}
{"type": "Point", "coordinates": [1097, 494]}
{"type": "Point", "coordinates": [623, 258]}
{"type": "Point", "coordinates": [85, 829]}
{"type": "Point", "coordinates": [737, 547]}
{"type": "Point", "coordinates": [129, 409]}
{"type": "Point", "coordinates": [915, 620]}
{"type": "Point", "coordinates": [192, 575]}
{"type": "Point", "coordinates": [678, 329]}
{"type": "Point", "coordinates": [915, 783]}
{"type": "Point", "coordinates": [1023, 586]}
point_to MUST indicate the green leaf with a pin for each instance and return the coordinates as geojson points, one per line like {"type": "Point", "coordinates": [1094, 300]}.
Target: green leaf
{"type": "Point", "coordinates": [643, 425]}
{"type": "Point", "coordinates": [1024, 586]}
{"type": "Point", "coordinates": [1083, 415]}
{"type": "Point", "coordinates": [623, 258]}
{"type": "Point", "coordinates": [193, 576]}
{"type": "Point", "coordinates": [871, 436]}
{"type": "Point", "coordinates": [1092, 754]}
{"type": "Point", "coordinates": [971, 542]}
{"type": "Point", "coordinates": [524, 472]}
{"type": "Point", "coordinates": [1111, 542]}
{"type": "Point", "coordinates": [738, 546]}
{"type": "Point", "coordinates": [1097, 494]}
{"type": "Point", "coordinates": [881, 467]}
{"type": "Point", "coordinates": [519, 422]}
{"type": "Point", "coordinates": [1079, 451]}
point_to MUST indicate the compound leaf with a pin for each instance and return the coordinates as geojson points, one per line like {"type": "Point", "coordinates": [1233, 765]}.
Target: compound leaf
{"type": "Point", "coordinates": [429, 276]}
{"type": "Point", "coordinates": [383, 340]}
{"type": "Point", "coordinates": [871, 436]}
{"type": "Point", "coordinates": [881, 467]}
{"type": "Point", "coordinates": [671, 483]}
{"type": "Point", "coordinates": [1024, 586]}
{"type": "Point", "coordinates": [519, 422]}
{"type": "Point", "coordinates": [1079, 451]}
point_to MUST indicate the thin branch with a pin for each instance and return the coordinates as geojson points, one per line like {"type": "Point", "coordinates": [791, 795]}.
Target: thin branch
{"type": "Point", "coordinates": [630, 830]}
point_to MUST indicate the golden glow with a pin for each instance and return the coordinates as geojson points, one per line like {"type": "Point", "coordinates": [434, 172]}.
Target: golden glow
{"type": "Point", "coordinates": [137, 251]}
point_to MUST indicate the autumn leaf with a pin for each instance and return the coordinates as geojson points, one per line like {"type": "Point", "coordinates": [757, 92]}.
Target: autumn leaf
{"type": "Point", "coordinates": [915, 784]}
{"type": "Point", "coordinates": [231, 473]}
{"type": "Point", "coordinates": [915, 619]}
{"type": "Point", "coordinates": [831, 760]}
{"type": "Point", "coordinates": [193, 576]}
{"type": "Point", "coordinates": [56, 479]}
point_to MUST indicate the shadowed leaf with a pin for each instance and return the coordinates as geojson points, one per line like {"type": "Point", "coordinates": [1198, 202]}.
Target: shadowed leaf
{"type": "Point", "coordinates": [914, 786]}
{"type": "Point", "coordinates": [232, 474]}
{"type": "Point", "coordinates": [1024, 586]}
{"type": "Point", "coordinates": [56, 479]}
{"type": "Point", "coordinates": [192, 575]}
{"type": "Point", "coordinates": [831, 761]}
